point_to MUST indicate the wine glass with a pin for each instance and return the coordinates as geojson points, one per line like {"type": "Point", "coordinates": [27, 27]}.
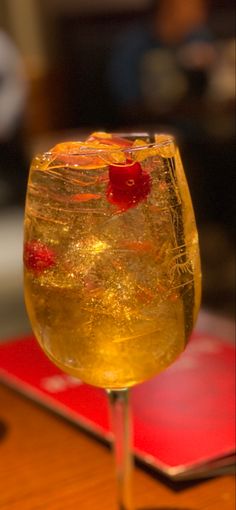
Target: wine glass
{"type": "Point", "coordinates": [112, 268]}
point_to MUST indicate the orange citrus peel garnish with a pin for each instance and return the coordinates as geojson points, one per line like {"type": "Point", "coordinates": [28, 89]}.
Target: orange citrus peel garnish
{"type": "Point", "coordinates": [95, 152]}
{"type": "Point", "coordinates": [101, 149]}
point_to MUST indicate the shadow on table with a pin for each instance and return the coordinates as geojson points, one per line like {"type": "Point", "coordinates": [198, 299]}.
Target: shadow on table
{"type": "Point", "coordinates": [174, 485]}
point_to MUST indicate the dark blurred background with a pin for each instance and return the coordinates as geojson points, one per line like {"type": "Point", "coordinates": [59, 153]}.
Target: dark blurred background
{"type": "Point", "coordinates": [68, 67]}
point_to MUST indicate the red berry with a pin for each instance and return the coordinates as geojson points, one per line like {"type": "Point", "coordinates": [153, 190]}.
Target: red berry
{"type": "Point", "coordinates": [124, 177]}
{"type": "Point", "coordinates": [38, 257]}
{"type": "Point", "coordinates": [128, 185]}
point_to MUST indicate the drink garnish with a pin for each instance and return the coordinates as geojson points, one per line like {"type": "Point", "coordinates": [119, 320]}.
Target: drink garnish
{"type": "Point", "coordinates": [128, 185]}
{"type": "Point", "coordinates": [109, 139]}
{"type": "Point", "coordinates": [85, 197]}
{"type": "Point", "coordinates": [92, 152]}
{"type": "Point", "coordinates": [38, 256]}
{"type": "Point", "coordinates": [81, 154]}
{"type": "Point", "coordinates": [139, 246]}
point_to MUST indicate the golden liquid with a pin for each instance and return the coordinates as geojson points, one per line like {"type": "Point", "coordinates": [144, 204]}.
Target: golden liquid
{"type": "Point", "coordinates": [121, 301]}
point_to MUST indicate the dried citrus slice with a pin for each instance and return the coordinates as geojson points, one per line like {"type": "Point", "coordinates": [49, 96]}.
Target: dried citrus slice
{"type": "Point", "coordinates": [167, 148]}
{"type": "Point", "coordinates": [79, 154]}
{"type": "Point", "coordinates": [109, 139]}
{"type": "Point", "coordinates": [101, 148]}
{"type": "Point", "coordinates": [89, 154]}
{"type": "Point", "coordinates": [143, 150]}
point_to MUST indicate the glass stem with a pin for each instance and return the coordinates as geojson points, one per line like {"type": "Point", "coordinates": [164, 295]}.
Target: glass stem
{"type": "Point", "coordinates": [121, 427]}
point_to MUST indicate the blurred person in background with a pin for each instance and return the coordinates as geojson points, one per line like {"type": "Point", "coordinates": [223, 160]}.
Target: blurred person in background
{"type": "Point", "coordinates": [13, 97]}
{"type": "Point", "coordinates": [157, 64]}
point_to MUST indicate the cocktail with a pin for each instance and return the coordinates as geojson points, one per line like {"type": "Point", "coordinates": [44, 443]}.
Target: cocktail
{"type": "Point", "coordinates": [112, 270]}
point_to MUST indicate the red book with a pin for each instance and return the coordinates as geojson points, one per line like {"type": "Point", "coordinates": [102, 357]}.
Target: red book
{"type": "Point", "coordinates": [184, 419]}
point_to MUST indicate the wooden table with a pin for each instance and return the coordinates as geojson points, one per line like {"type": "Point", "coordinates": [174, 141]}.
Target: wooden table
{"type": "Point", "coordinates": [48, 464]}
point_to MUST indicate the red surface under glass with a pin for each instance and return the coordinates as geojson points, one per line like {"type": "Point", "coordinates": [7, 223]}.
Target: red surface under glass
{"type": "Point", "coordinates": [182, 418]}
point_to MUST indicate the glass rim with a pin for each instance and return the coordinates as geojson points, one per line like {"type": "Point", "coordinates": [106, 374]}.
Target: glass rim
{"type": "Point", "coordinates": [167, 139]}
